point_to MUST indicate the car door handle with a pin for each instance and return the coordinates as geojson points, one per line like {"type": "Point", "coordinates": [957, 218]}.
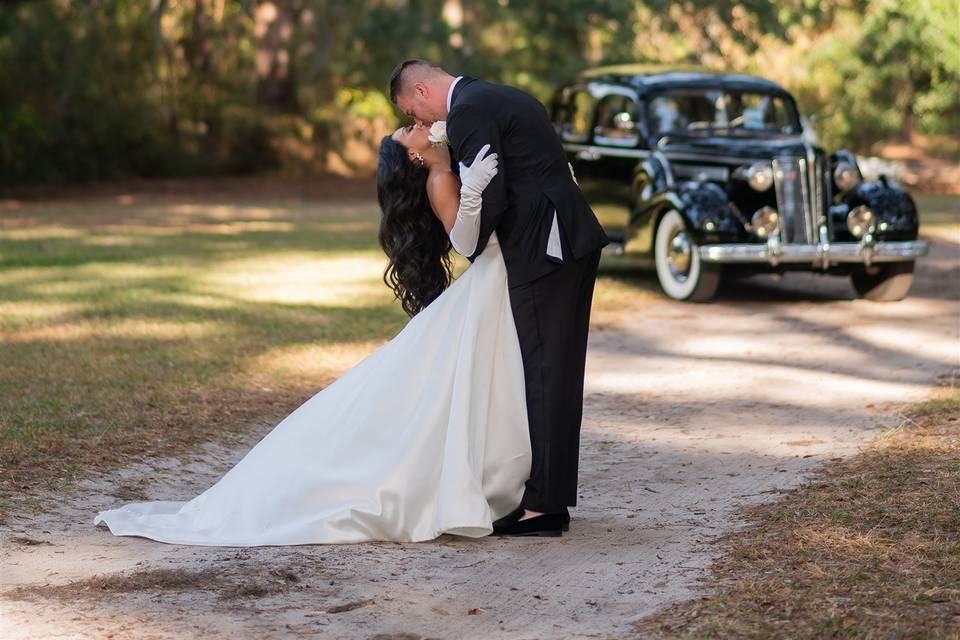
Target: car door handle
{"type": "Point", "coordinates": [588, 154]}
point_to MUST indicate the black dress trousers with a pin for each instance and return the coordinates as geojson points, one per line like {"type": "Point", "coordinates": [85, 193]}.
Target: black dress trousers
{"type": "Point", "coordinates": [552, 314]}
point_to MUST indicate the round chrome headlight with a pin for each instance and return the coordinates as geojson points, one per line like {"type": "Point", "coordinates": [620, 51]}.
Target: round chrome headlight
{"type": "Point", "coordinates": [846, 176]}
{"type": "Point", "coordinates": [765, 222]}
{"type": "Point", "coordinates": [860, 221]}
{"type": "Point", "coordinates": [759, 175]}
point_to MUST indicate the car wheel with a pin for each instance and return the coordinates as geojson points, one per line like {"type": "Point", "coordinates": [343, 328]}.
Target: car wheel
{"type": "Point", "coordinates": [681, 272]}
{"type": "Point", "coordinates": [887, 283]}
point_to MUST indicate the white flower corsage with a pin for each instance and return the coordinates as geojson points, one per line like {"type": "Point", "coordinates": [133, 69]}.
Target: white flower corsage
{"type": "Point", "coordinates": [438, 134]}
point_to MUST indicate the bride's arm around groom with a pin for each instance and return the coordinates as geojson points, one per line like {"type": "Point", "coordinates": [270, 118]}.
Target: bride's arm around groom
{"type": "Point", "coordinates": [458, 204]}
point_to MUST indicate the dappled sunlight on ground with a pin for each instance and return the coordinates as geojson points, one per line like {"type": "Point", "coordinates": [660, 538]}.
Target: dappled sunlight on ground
{"type": "Point", "coordinates": [946, 233]}
{"type": "Point", "coordinates": [942, 349]}
{"type": "Point", "coordinates": [299, 278]}
{"type": "Point", "coordinates": [44, 233]}
{"type": "Point", "coordinates": [306, 361]}
{"type": "Point", "coordinates": [168, 337]}
{"type": "Point", "coordinates": [127, 328]}
{"type": "Point", "coordinates": [15, 312]}
{"type": "Point", "coordinates": [134, 319]}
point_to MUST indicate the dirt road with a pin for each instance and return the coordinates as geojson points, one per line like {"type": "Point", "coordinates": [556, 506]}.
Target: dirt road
{"type": "Point", "coordinates": [691, 412]}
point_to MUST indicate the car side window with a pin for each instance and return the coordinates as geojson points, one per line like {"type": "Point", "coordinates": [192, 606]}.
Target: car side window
{"type": "Point", "coordinates": [577, 116]}
{"type": "Point", "coordinates": [665, 115]}
{"type": "Point", "coordinates": [617, 121]}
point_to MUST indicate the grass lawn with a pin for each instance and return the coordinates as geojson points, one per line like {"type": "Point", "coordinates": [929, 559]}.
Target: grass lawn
{"type": "Point", "coordinates": [938, 210]}
{"type": "Point", "coordinates": [134, 325]}
{"type": "Point", "coordinates": [137, 325]}
{"type": "Point", "coordinates": [869, 549]}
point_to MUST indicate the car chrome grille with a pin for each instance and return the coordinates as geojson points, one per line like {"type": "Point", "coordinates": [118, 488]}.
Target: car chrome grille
{"type": "Point", "coordinates": [822, 196]}
{"type": "Point", "coordinates": [792, 184]}
{"type": "Point", "coordinates": [803, 196]}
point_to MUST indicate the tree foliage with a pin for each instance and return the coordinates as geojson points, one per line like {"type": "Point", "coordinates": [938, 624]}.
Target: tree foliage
{"type": "Point", "coordinates": [108, 88]}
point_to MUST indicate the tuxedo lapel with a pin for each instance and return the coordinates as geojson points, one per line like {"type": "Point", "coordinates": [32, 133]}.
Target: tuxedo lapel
{"type": "Point", "coordinates": [463, 82]}
{"type": "Point", "coordinates": [457, 90]}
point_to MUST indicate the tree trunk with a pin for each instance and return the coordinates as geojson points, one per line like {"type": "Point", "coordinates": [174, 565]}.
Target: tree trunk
{"type": "Point", "coordinates": [908, 123]}
{"type": "Point", "coordinates": [201, 60]}
{"type": "Point", "coordinates": [274, 24]}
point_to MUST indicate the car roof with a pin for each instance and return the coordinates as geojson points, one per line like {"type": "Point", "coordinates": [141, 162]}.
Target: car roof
{"type": "Point", "coordinates": [647, 78]}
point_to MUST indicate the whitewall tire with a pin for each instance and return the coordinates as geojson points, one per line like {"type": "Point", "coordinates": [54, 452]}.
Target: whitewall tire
{"type": "Point", "coordinates": [680, 271]}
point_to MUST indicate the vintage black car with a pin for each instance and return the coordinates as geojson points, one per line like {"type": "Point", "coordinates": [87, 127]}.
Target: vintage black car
{"type": "Point", "coordinates": [705, 174]}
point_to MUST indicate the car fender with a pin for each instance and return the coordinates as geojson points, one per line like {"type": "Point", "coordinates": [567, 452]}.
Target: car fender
{"type": "Point", "coordinates": [895, 212]}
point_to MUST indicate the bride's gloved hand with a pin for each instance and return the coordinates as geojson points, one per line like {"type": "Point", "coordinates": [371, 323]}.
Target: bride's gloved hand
{"type": "Point", "coordinates": [473, 180]}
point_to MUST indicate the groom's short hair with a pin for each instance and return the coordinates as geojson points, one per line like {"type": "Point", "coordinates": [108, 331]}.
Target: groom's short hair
{"type": "Point", "coordinates": [405, 71]}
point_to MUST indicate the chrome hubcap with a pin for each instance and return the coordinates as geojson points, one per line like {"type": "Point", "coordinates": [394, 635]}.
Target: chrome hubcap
{"type": "Point", "coordinates": [679, 254]}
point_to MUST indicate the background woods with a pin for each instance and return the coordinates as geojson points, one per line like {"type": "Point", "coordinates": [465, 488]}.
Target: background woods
{"type": "Point", "coordinates": [113, 88]}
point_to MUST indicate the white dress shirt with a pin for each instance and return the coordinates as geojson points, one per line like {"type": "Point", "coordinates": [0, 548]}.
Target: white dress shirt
{"type": "Point", "coordinates": [450, 93]}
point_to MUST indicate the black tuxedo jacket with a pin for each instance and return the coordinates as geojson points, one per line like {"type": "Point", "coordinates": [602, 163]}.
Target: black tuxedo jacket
{"type": "Point", "coordinates": [532, 181]}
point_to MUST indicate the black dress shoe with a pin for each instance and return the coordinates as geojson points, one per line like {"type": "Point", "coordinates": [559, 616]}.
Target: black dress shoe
{"type": "Point", "coordinates": [510, 518]}
{"type": "Point", "coordinates": [517, 513]}
{"type": "Point", "coordinates": [547, 525]}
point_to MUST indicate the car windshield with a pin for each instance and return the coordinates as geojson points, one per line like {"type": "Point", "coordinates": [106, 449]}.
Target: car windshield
{"type": "Point", "coordinates": [719, 111]}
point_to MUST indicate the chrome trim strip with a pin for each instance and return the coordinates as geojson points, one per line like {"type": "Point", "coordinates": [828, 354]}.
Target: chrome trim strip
{"type": "Point", "coordinates": [815, 210]}
{"type": "Point", "coordinates": [620, 153]}
{"type": "Point", "coordinates": [644, 153]}
{"type": "Point", "coordinates": [788, 184]}
{"type": "Point", "coordinates": [679, 155]}
{"type": "Point", "coordinates": [814, 254]}
{"type": "Point", "coordinates": [806, 198]}
{"type": "Point", "coordinates": [600, 90]}
{"type": "Point", "coordinates": [629, 142]}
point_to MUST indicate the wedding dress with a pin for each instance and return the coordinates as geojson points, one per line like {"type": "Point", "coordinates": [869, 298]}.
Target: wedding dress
{"type": "Point", "coordinates": [426, 435]}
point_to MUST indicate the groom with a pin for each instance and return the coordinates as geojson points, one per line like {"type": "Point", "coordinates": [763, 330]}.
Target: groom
{"type": "Point", "coordinates": [551, 244]}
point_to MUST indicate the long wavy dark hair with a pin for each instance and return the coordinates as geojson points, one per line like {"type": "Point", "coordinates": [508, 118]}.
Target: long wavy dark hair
{"type": "Point", "coordinates": [414, 240]}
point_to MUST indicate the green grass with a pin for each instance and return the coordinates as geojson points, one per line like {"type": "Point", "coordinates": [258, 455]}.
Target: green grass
{"type": "Point", "coordinates": [140, 325]}
{"type": "Point", "coordinates": [141, 328]}
{"type": "Point", "coordinates": [938, 210]}
{"type": "Point", "coordinates": [870, 548]}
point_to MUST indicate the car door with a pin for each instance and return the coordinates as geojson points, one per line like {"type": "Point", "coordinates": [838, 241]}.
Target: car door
{"type": "Point", "coordinates": [615, 137]}
{"type": "Point", "coordinates": [600, 131]}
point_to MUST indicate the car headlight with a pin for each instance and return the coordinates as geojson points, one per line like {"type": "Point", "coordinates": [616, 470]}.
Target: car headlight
{"type": "Point", "coordinates": [759, 175]}
{"type": "Point", "coordinates": [765, 222]}
{"type": "Point", "coordinates": [846, 176]}
{"type": "Point", "coordinates": [860, 221]}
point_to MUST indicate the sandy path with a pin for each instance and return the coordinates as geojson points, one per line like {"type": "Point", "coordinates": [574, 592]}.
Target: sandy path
{"type": "Point", "coordinates": [691, 412]}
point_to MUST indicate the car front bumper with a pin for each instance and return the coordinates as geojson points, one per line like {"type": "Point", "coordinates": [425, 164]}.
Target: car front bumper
{"type": "Point", "coordinates": [820, 255]}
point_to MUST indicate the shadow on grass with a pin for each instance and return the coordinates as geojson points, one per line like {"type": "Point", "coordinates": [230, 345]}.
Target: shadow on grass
{"type": "Point", "coordinates": [116, 340]}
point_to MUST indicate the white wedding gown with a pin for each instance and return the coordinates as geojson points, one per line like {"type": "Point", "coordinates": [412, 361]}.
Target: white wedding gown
{"type": "Point", "coordinates": [427, 435]}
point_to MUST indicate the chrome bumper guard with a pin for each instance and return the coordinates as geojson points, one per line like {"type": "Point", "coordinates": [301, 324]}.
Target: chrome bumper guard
{"type": "Point", "coordinates": [817, 255]}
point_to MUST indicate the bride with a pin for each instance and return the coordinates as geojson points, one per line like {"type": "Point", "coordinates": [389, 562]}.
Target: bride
{"type": "Point", "coordinates": [427, 435]}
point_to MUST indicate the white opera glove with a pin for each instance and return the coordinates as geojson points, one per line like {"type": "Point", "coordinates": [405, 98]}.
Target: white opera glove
{"type": "Point", "coordinates": [473, 180]}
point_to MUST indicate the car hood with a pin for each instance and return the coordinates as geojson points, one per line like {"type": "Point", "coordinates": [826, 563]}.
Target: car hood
{"type": "Point", "coordinates": [731, 147]}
